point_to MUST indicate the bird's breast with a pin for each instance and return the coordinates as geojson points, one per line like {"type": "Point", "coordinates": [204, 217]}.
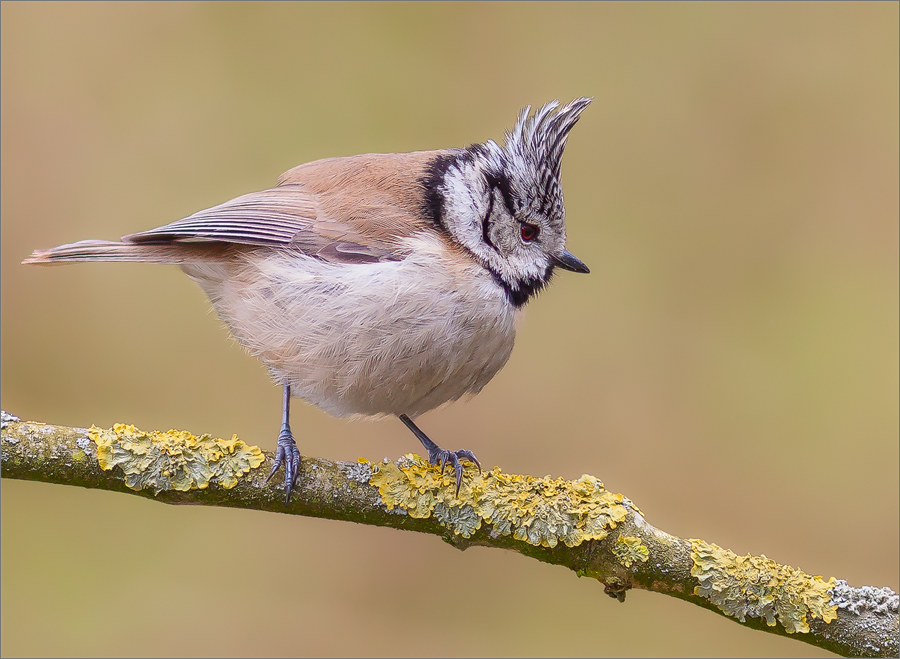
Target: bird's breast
{"type": "Point", "coordinates": [398, 337]}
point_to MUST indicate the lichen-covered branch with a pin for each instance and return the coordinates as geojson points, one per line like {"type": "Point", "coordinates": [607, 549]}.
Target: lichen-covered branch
{"type": "Point", "coordinates": [577, 524]}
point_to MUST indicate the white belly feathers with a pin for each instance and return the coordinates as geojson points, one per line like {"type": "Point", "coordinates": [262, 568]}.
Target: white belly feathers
{"type": "Point", "coordinates": [396, 337]}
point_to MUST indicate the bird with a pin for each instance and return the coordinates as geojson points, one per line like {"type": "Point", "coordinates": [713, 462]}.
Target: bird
{"type": "Point", "coordinates": [382, 284]}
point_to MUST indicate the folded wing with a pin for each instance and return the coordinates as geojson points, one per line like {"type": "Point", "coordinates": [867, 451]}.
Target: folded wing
{"type": "Point", "coordinates": [285, 217]}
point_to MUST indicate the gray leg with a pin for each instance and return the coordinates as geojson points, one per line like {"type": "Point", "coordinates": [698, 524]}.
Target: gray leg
{"type": "Point", "coordinates": [287, 453]}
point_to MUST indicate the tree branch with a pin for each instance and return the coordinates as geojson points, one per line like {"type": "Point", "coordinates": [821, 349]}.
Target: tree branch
{"type": "Point", "coordinates": [576, 524]}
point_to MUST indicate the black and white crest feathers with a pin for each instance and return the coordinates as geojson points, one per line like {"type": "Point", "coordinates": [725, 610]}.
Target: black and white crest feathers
{"type": "Point", "coordinates": [537, 143]}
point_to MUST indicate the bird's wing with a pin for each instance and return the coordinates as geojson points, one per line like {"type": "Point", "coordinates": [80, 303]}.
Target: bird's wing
{"type": "Point", "coordinates": [286, 216]}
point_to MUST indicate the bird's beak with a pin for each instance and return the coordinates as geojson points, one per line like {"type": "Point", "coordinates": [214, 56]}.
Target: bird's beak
{"type": "Point", "coordinates": [568, 261]}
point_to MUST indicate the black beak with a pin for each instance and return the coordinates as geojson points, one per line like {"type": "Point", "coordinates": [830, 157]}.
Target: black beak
{"type": "Point", "coordinates": [568, 261]}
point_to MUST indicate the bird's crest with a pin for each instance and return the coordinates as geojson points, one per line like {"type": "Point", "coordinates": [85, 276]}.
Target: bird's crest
{"type": "Point", "coordinates": [536, 144]}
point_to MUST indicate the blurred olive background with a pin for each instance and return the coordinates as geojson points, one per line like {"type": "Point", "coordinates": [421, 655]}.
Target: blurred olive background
{"type": "Point", "coordinates": [731, 363]}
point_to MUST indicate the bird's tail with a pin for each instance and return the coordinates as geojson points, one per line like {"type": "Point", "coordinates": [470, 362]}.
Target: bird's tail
{"type": "Point", "coordinates": [107, 250]}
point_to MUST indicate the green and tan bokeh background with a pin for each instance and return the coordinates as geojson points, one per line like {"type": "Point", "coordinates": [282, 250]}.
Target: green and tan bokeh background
{"type": "Point", "coordinates": [731, 363]}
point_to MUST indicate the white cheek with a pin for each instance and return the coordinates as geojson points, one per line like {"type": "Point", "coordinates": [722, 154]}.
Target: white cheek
{"type": "Point", "coordinates": [465, 205]}
{"type": "Point", "coordinates": [458, 193]}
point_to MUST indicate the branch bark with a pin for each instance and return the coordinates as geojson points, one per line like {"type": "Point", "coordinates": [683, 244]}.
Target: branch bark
{"type": "Point", "coordinates": [576, 524]}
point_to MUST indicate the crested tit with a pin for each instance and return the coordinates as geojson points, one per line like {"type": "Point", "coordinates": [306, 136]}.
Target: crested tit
{"type": "Point", "coordinates": [378, 284]}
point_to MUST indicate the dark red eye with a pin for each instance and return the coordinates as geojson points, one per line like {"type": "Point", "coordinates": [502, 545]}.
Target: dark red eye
{"type": "Point", "coordinates": [529, 232]}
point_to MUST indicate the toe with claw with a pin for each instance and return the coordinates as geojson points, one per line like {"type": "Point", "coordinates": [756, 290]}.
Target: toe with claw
{"type": "Point", "coordinates": [289, 456]}
{"type": "Point", "coordinates": [439, 456]}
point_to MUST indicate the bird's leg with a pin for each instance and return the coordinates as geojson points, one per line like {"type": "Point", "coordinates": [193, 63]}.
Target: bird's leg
{"type": "Point", "coordinates": [287, 453]}
{"type": "Point", "coordinates": [437, 455]}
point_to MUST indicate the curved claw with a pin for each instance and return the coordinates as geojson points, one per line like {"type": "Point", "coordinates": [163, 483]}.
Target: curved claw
{"type": "Point", "coordinates": [468, 455]}
{"type": "Point", "coordinates": [289, 455]}
{"type": "Point", "coordinates": [279, 458]}
{"type": "Point", "coordinates": [442, 456]}
{"type": "Point", "coordinates": [458, 468]}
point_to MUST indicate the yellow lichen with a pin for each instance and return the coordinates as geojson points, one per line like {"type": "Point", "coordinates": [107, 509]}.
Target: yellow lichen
{"type": "Point", "coordinates": [758, 587]}
{"type": "Point", "coordinates": [630, 550]}
{"type": "Point", "coordinates": [540, 511]}
{"type": "Point", "coordinates": [173, 460]}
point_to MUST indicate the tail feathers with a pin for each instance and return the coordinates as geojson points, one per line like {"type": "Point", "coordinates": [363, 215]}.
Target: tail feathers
{"type": "Point", "coordinates": [107, 250]}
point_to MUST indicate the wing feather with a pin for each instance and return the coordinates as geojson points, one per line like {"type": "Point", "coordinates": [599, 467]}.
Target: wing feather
{"type": "Point", "coordinates": [286, 216]}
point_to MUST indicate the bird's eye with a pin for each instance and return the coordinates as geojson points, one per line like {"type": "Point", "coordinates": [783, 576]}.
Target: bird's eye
{"type": "Point", "coordinates": [529, 232]}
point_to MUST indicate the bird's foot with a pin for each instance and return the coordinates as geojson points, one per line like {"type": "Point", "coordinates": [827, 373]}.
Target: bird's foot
{"type": "Point", "coordinates": [439, 456]}
{"type": "Point", "coordinates": [289, 456]}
